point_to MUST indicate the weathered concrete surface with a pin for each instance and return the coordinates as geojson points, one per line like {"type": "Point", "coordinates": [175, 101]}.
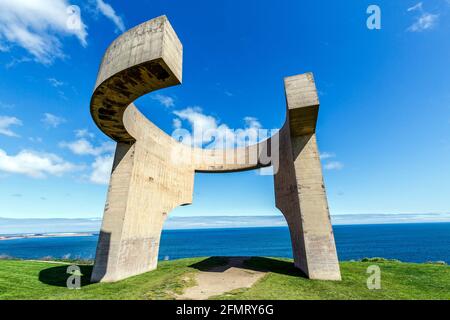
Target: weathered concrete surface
{"type": "Point", "coordinates": [144, 59]}
{"type": "Point", "coordinates": [299, 187]}
{"type": "Point", "coordinates": [153, 173]}
{"type": "Point", "coordinates": [144, 188]}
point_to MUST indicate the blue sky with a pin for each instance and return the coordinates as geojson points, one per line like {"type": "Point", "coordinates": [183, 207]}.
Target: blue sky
{"type": "Point", "coordinates": [384, 123]}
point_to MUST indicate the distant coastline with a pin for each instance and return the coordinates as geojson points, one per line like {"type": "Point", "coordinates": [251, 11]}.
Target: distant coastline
{"type": "Point", "coordinates": [46, 235]}
{"type": "Point", "coordinates": [11, 228]}
{"type": "Point", "coordinates": [193, 227]}
{"type": "Point", "coordinates": [431, 242]}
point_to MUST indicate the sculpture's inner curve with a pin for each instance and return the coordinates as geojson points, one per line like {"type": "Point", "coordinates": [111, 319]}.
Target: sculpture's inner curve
{"type": "Point", "coordinates": [153, 174]}
{"type": "Point", "coordinates": [120, 82]}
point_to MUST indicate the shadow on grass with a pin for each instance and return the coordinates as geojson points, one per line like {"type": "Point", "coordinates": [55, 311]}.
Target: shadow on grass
{"type": "Point", "coordinates": [212, 264]}
{"type": "Point", "coordinates": [221, 264]}
{"type": "Point", "coordinates": [57, 276]}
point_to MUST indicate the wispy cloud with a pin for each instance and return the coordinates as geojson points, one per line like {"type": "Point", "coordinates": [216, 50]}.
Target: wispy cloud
{"type": "Point", "coordinates": [35, 139]}
{"type": "Point", "coordinates": [327, 155]}
{"type": "Point", "coordinates": [85, 147]}
{"type": "Point", "coordinates": [164, 100]}
{"type": "Point", "coordinates": [16, 61]}
{"type": "Point", "coordinates": [84, 133]}
{"type": "Point", "coordinates": [330, 165]}
{"type": "Point", "coordinates": [252, 122]}
{"type": "Point", "coordinates": [424, 21]}
{"type": "Point", "coordinates": [418, 6]}
{"type": "Point", "coordinates": [52, 121]}
{"type": "Point", "coordinates": [111, 14]}
{"type": "Point", "coordinates": [199, 222]}
{"type": "Point", "coordinates": [373, 218]}
{"type": "Point", "coordinates": [38, 26]}
{"type": "Point", "coordinates": [22, 226]}
{"type": "Point", "coordinates": [333, 165]}
{"type": "Point", "coordinates": [34, 164]}
{"type": "Point", "coordinates": [14, 226]}
{"type": "Point", "coordinates": [55, 82]}
{"type": "Point", "coordinates": [6, 123]}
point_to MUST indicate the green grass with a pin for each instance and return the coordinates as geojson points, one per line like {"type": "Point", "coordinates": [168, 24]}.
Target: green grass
{"type": "Point", "coordinates": [44, 280]}
{"type": "Point", "coordinates": [398, 281]}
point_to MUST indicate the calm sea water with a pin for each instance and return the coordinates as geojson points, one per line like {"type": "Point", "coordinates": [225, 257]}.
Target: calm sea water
{"type": "Point", "coordinates": [406, 242]}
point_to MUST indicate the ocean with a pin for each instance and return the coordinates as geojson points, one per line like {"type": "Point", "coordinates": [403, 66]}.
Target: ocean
{"type": "Point", "coordinates": [419, 242]}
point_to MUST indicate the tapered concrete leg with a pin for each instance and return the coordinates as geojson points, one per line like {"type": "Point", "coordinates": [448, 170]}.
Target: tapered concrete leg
{"type": "Point", "coordinates": [299, 187]}
{"type": "Point", "coordinates": [142, 191]}
{"type": "Point", "coordinates": [300, 195]}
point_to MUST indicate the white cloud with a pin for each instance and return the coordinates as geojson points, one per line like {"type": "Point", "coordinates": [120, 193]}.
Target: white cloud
{"type": "Point", "coordinates": [35, 139]}
{"type": "Point", "coordinates": [84, 133]}
{"type": "Point", "coordinates": [5, 124]}
{"type": "Point", "coordinates": [416, 7]}
{"type": "Point", "coordinates": [104, 155]}
{"type": "Point", "coordinates": [101, 169]}
{"type": "Point", "coordinates": [334, 165]}
{"type": "Point", "coordinates": [84, 147]}
{"type": "Point", "coordinates": [425, 22]}
{"type": "Point", "coordinates": [330, 165]}
{"type": "Point", "coordinates": [16, 61]}
{"type": "Point", "coordinates": [50, 120]}
{"type": "Point", "coordinates": [38, 25]}
{"type": "Point", "coordinates": [326, 155]}
{"type": "Point", "coordinates": [200, 123]}
{"type": "Point", "coordinates": [110, 13]}
{"type": "Point", "coordinates": [34, 164]}
{"type": "Point", "coordinates": [206, 131]}
{"type": "Point", "coordinates": [166, 101]}
{"type": "Point", "coordinates": [55, 82]}
{"type": "Point", "coordinates": [252, 122]}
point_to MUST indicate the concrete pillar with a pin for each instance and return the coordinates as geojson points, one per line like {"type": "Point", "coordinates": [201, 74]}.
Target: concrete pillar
{"type": "Point", "coordinates": [299, 187]}
{"type": "Point", "coordinates": [143, 190]}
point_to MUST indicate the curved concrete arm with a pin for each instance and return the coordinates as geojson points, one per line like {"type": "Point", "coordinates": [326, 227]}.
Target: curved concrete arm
{"type": "Point", "coordinates": [145, 59]}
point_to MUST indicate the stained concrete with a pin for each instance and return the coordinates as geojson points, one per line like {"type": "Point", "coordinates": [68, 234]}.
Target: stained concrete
{"type": "Point", "coordinates": [153, 173]}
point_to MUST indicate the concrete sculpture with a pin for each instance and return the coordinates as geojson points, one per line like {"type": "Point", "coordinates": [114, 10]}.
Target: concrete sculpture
{"type": "Point", "coordinates": [146, 183]}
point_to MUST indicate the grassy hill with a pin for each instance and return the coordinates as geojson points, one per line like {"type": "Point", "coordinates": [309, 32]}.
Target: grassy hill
{"type": "Point", "coordinates": [44, 280]}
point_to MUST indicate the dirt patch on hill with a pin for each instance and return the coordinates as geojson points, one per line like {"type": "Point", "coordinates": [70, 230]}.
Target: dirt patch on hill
{"type": "Point", "coordinates": [220, 279]}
